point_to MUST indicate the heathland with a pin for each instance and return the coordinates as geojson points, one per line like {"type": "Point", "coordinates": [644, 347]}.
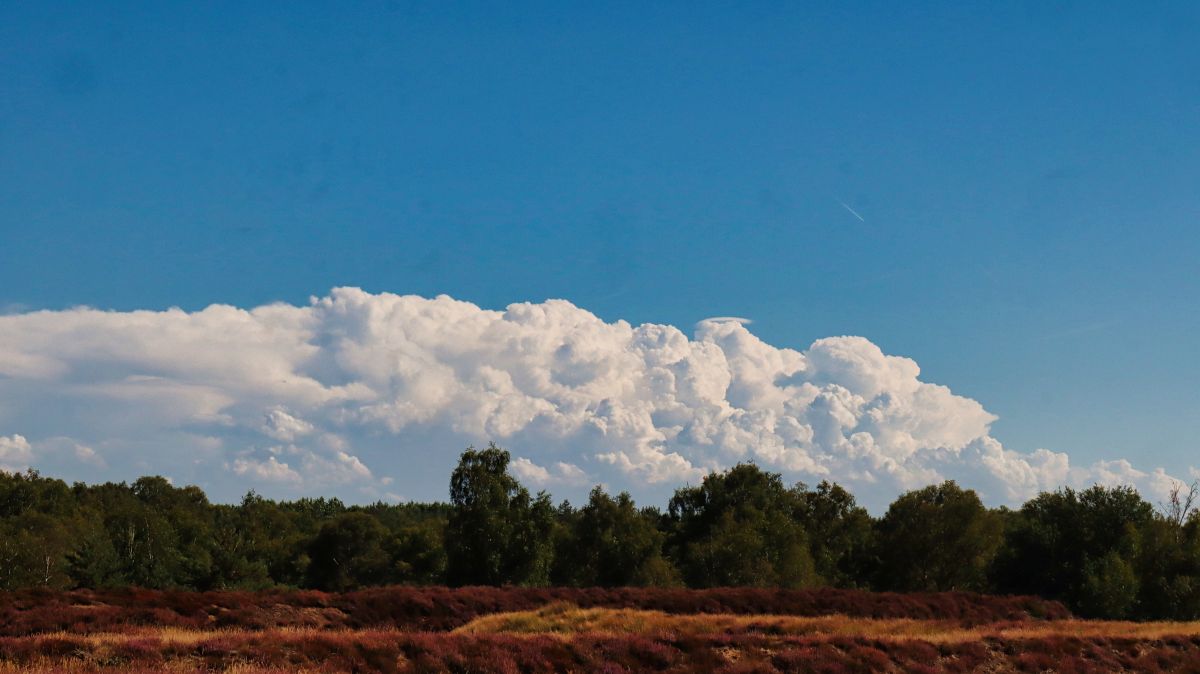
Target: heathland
{"type": "Point", "coordinates": [487, 629]}
{"type": "Point", "coordinates": [741, 573]}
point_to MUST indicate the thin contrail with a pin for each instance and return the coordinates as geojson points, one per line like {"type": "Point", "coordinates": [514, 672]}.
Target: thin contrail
{"type": "Point", "coordinates": [852, 211]}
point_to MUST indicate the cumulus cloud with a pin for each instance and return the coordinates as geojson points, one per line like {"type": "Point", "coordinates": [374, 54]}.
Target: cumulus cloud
{"type": "Point", "coordinates": [15, 453]}
{"type": "Point", "coordinates": [355, 389]}
{"type": "Point", "coordinates": [561, 473]}
{"type": "Point", "coordinates": [270, 470]}
{"type": "Point", "coordinates": [280, 425]}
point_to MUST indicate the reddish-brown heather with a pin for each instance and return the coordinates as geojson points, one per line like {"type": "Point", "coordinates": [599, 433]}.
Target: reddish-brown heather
{"type": "Point", "coordinates": [403, 630]}
{"type": "Point", "coordinates": [396, 652]}
{"type": "Point", "coordinates": [438, 608]}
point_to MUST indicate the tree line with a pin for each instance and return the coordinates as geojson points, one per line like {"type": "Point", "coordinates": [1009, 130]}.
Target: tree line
{"type": "Point", "coordinates": [1104, 551]}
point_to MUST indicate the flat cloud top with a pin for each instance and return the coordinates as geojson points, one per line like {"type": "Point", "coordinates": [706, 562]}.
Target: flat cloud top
{"type": "Point", "coordinates": [377, 394]}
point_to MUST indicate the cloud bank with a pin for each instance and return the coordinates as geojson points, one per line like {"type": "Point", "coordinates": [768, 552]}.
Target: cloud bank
{"type": "Point", "coordinates": [375, 395]}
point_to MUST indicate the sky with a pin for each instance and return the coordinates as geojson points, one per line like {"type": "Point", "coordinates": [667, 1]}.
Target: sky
{"type": "Point", "coordinates": [999, 201]}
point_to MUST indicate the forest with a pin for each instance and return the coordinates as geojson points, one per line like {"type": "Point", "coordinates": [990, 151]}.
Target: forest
{"type": "Point", "coordinates": [1104, 552]}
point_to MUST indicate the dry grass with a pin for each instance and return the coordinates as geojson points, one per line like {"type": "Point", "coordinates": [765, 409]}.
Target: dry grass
{"type": "Point", "coordinates": [191, 637]}
{"type": "Point", "coordinates": [564, 620]}
{"type": "Point", "coordinates": [562, 636]}
{"type": "Point", "coordinates": [438, 608]}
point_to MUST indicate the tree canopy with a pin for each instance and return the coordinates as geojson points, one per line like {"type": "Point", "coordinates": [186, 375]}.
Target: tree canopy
{"type": "Point", "coordinates": [1104, 551]}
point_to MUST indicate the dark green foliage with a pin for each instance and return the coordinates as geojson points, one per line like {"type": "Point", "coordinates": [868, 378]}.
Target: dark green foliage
{"type": "Point", "coordinates": [1104, 551]}
{"type": "Point", "coordinates": [36, 524]}
{"type": "Point", "coordinates": [1083, 547]}
{"type": "Point", "coordinates": [609, 543]}
{"type": "Point", "coordinates": [739, 528]}
{"type": "Point", "coordinates": [348, 552]}
{"type": "Point", "coordinates": [497, 533]}
{"type": "Point", "coordinates": [153, 534]}
{"type": "Point", "coordinates": [93, 562]}
{"type": "Point", "coordinates": [419, 554]}
{"type": "Point", "coordinates": [937, 538]}
{"type": "Point", "coordinates": [840, 534]}
{"type": "Point", "coordinates": [1168, 566]}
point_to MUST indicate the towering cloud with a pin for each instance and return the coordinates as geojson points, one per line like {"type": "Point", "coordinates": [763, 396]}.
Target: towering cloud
{"type": "Point", "coordinates": [373, 393]}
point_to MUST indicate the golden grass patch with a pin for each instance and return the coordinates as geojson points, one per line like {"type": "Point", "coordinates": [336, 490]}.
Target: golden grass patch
{"type": "Point", "coordinates": [564, 619]}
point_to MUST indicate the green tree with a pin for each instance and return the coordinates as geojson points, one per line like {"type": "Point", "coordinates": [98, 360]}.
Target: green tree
{"type": "Point", "coordinates": [39, 521]}
{"type": "Point", "coordinates": [612, 544]}
{"type": "Point", "coordinates": [1109, 586]}
{"type": "Point", "coordinates": [348, 552]}
{"type": "Point", "coordinates": [275, 536]}
{"type": "Point", "coordinates": [418, 554]}
{"type": "Point", "coordinates": [937, 538]}
{"type": "Point", "coordinates": [94, 562]}
{"type": "Point", "coordinates": [236, 563]}
{"type": "Point", "coordinates": [1079, 547]}
{"type": "Point", "coordinates": [1168, 570]}
{"type": "Point", "coordinates": [187, 523]}
{"type": "Point", "coordinates": [739, 528]}
{"type": "Point", "coordinates": [840, 534]}
{"type": "Point", "coordinates": [33, 551]}
{"type": "Point", "coordinates": [145, 543]}
{"type": "Point", "coordinates": [496, 533]}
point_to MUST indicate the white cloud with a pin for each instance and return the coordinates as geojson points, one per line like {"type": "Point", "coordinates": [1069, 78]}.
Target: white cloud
{"type": "Point", "coordinates": [304, 467]}
{"type": "Point", "coordinates": [402, 383]}
{"type": "Point", "coordinates": [561, 473]}
{"type": "Point", "coordinates": [529, 471]}
{"type": "Point", "coordinates": [280, 425]}
{"type": "Point", "coordinates": [15, 453]}
{"type": "Point", "coordinates": [1156, 484]}
{"type": "Point", "coordinates": [270, 470]}
{"type": "Point", "coordinates": [725, 319]}
{"type": "Point", "coordinates": [88, 455]}
{"type": "Point", "coordinates": [64, 449]}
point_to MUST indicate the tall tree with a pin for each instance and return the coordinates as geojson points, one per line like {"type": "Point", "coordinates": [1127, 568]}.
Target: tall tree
{"type": "Point", "coordinates": [497, 533]}
{"type": "Point", "coordinates": [348, 552]}
{"type": "Point", "coordinates": [612, 544]}
{"type": "Point", "coordinates": [937, 538]}
{"type": "Point", "coordinates": [1080, 547]}
{"type": "Point", "coordinates": [840, 534]}
{"type": "Point", "coordinates": [739, 528]}
{"type": "Point", "coordinates": [1168, 569]}
{"type": "Point", "coordinates": [39, 521]}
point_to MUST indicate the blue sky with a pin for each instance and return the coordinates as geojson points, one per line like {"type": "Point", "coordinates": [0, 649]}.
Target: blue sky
{"type": "Point", "coordinates": [1025, 174]}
